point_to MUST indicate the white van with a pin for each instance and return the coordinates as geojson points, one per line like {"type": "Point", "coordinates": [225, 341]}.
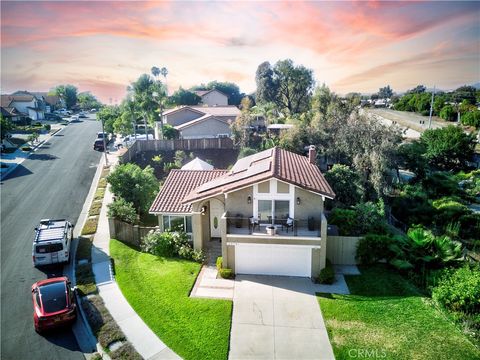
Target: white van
{"type": "Point", "coordinates": [52, 242]}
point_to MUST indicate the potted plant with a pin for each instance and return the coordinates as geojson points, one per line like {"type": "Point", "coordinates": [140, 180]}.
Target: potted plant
{"type": "Point", "coordinates": [271, 230]}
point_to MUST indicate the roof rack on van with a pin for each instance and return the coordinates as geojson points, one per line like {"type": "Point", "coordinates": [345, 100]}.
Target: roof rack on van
{"type": "Point", "coordinates": [51, 229]}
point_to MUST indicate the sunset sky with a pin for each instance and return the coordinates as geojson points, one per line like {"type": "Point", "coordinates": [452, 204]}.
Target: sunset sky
{"type": "Point", "coordinates": [351, 46]}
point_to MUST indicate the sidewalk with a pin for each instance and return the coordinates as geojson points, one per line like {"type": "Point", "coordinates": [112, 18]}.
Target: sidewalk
{"type": "Point", "coordinates": [147, 344]}
{"type": "Point", "coordinates": [12, 160]}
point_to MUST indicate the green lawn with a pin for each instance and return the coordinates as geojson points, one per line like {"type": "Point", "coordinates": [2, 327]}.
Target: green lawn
{"type": "Point", "coordinates": [158, 288]}
{"type": "Point", "coordinates": [386, 316]}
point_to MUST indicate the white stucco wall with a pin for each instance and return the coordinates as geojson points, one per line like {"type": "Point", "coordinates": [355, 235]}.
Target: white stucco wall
{"type": "Point", "coordinates": [215, 98]}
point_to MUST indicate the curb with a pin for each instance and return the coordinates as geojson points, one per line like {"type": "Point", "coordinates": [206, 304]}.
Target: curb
{"type": "Point", "coordinates": [34, 149]}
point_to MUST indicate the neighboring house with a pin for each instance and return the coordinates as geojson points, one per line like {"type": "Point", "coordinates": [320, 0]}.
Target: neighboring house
{"type": "Point", "coordinates": [193, 122]}
{"type": "Point", "coordinates": [212, 97]}
{"type": "Point", "coordinates": [11, 113]}
{"type": "Point", "coordinates": [267, 212]}
{"type": "Point", "coordinates": [26, 104]}
{"type": "Point", "coordinates": [277, 129]}
{"type": "Point", "coordinates": [197, 164]}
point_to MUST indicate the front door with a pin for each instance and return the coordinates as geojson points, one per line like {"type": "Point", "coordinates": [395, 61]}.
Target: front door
{"type": "Point", "coordinates": [216, 211]}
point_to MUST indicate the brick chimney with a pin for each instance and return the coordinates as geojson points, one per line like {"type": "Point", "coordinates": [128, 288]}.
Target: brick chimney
{"type": "Point", "coordinates": [312, 155]}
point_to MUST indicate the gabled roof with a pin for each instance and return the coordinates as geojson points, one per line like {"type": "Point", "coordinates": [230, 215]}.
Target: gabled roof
{"type": "Point", "coordinates": [197, 164]}
{"type": "Point", "coordinates": [272, 163]}
{"type": "Point", "coordinates": [181, 108]}
{"type": "Point", "coordinates": [177, 185]}
{"type": "Point", "coordinates": [18, 98]}
{"type": "Point", "coordinates": [230, 111]}
{"type": "Point", "coordinates": [199, 120]}
{"type": "Point", "coordinates": [202, 93]}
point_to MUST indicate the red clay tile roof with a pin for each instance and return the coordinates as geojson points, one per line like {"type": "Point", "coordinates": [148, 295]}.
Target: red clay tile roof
{"type": "Point", "coordinates": [277, 163]}
{"type": "Point", "coordinates": [178, 184]}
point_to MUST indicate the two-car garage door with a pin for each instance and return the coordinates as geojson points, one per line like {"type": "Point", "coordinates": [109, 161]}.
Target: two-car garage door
{"type": "Point", "coordinates": [267, 259]}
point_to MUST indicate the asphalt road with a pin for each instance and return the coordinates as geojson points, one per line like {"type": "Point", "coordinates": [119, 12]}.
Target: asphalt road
{"type": "Point", "coordinates": [52, 183]}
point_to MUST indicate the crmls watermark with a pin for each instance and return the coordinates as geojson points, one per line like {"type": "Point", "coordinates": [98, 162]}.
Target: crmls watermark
{"type": "Point", "coordinates": [367, 353]}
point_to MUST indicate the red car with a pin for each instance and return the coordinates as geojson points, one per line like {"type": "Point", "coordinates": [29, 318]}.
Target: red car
{"type": "Point", "coordinates": [53, 303]}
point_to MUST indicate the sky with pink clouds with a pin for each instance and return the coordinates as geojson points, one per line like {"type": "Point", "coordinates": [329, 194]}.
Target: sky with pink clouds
{"type": "Point", "coordinates": [351, 46]}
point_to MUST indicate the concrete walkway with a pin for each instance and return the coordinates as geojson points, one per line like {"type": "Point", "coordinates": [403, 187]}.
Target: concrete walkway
{"type": "Point", "coordinates": [277, 317]}
{"type": "Point", "coordinates": [147, 344]}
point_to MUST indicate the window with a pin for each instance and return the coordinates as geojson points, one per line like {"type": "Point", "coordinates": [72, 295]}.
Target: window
{"type": "Point", "coordinates": [283, 188]}
{"type": "Point", "coordinates": [49, 248]}
{"type": "Point", "coordinates": [264, 187]}
{"type": "Point", "coordinates": [177, 222]}
{"type": "Point", "coordinates": [271, 210]}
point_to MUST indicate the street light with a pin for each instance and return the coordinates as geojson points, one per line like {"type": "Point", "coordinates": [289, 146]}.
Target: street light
{"type": "Point", "coordinates": [104, 141]}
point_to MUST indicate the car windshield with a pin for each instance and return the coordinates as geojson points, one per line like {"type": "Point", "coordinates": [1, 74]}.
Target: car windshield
{"type": "Point", "coordinates": [54, 297]}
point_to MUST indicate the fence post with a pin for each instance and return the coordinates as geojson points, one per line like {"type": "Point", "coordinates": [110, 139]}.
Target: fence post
{"type": "Point", "coordinates": [111, 228]}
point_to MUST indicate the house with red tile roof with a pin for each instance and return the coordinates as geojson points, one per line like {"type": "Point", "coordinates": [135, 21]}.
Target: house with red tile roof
{"type": "Point", "coordinates": [267, 212]}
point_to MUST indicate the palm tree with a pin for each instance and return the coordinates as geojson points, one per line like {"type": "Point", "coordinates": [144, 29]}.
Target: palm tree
{"type": "Point", "coordinates": [155, 71]}
{"type": "Point", "coordinates": [164, 73]}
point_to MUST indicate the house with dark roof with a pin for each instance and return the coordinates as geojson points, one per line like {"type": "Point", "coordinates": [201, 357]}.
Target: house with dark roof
{"type": "Point", "coordinates": [212, 97]}
{"type": "Point", "coordinates": [266, 212]}
{"type": "Point", "coordinates": [25, 103]}
{"type": "Point", "coordinates": [194, 122]}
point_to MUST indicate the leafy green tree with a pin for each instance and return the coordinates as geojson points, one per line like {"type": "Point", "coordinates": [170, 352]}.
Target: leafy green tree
{"type": "Point", "coordinates": [5, 126]}
{"type": "Point", "coordinates": [288, 86]}
{"type": "Point", "coordinates": [122, 210]}
{"type": "Point", "coordinates": [438, 104]}
{"type": "Point", "coordinates": [346, 185]}
{"type": "Point", "coordinates": [241, 126]}
{"type": "Point", "coordinates": [169, 132]}
{"type": "Point", "coordinates": [149, 96]}
{"type": "Point", "coordinates": [411, 157]}
{"type": "Point", "coordinates": [447, 148]}
{"type": "Point", "coordinates": [419, 89]}
{"type": "Point", "coordinates": [471, 118]}
{"type": "Point", "coordinates": [109, 115]}
{"type": "Point", "coordinates": [322, 98]}
{"type": "Point", "coordinates": [465, 92]}
{"type": "Point", "coordinates": [87, 101]}
{"type": "Point", "coordinates": [385, 92]}
{"type": "Point", "coordinates": [68, 93]}
{"type": "Point", "coordinates": [184, 97]}
{"type": "Point", "coordinates": [448, 113]}
{"type": "Point", "coordinates": [134, 185]}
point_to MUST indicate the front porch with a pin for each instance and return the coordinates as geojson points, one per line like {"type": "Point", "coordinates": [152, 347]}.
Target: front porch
{"type": "Point", "coordinates": [238, 225]}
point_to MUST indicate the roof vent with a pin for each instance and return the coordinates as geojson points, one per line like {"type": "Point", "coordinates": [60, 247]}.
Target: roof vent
{"type": "Point", "coordinates": [312, 155]}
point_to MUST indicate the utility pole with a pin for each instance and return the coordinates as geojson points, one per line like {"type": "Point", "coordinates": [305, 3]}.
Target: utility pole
{"type": "Point", "coordinates": [431, 109]}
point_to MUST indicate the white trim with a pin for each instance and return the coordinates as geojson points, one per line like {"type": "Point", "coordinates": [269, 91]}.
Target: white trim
{"type": "Point", "coordinates": [273, 195]}
{"type": "Point", "coordinates": [284, 245]}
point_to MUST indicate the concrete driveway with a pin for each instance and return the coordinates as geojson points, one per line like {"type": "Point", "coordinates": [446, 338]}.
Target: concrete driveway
{"type": "Point", "coordinates": [276, 317]}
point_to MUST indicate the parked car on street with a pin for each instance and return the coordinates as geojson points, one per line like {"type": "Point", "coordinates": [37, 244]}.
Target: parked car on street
{"type": "Point", "coordinates": [52, 242]}
{"type": "Point", "coordinates": [54, 303]}
{"type": "Point", "coordinates": [99, 145]}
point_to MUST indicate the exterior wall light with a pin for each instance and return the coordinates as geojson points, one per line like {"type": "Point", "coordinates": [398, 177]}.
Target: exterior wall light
{"type": "Point", "coordinates": [203, 210]}
{"type": "Point", "coordinates": [249, 199]}
{"type": "Point", "coordinates": [298, 201]}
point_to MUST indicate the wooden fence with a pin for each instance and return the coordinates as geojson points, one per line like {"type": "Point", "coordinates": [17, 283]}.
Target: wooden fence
{"type": "Point", "coordinates": [173, 145]}
{"type": "Point", "coordinates": [341, 250]}
{"type": "Point", "coordinates": [128, 233]}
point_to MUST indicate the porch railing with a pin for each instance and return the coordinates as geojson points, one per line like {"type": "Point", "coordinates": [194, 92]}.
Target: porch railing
{"type": "Point", "coordinates": [238, 224]}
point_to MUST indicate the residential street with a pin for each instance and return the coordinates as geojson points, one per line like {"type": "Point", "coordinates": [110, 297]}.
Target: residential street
{"type": "Point", "coordinates": [52, 183]}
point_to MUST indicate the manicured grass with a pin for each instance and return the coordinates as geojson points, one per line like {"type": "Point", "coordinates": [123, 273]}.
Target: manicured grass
{"type": "Point", "coordinates": [90, 226]}
{"type": "Point", "coordinates": [99, 194]}
{"type": "Point", "coordinates": [387, 315]}
{"type": "Point", "coordinates": [95, 208]}
{"type": "Point", "coordinates": [158, 289]}
{"type": "Point", "coordinates": [85, 279]}
{"type": "Point", "coordinates": [84, 248]}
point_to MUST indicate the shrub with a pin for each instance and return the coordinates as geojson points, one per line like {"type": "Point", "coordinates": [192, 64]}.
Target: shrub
{"type": "Point", "coordinates": [85, 279]}
{"type": "Point", "coordinates": [99, 194]}
{"type": "Point", "coordinates": [169, 166]}
{"type": "Point", "coordinates": [327, 275]}
{"type": "Point", "coordinates": [170, 244]}
{"type": "Point", "coordinates": [126, 351]}
{"type": "Point", "coordinates": [471, 118]}
{"type": "Point", "coordinates": [345, 219]}
{"type": "Point", "coordinates": [449, 209]}
{"type": "Point", "coordinates": [373, 248]}
{"type": "Point", "coordinates": [26, 148]}
{"type": "Point", "coordinates": [246, 151]}
{"type": "Point", "coordinates": [459, 290]}
{"type": "Point", "coordinates": [469, 226]}
{"type": "Point", "coordinates": [226, 273]}
{"type": "Point", "coordinates": [219, 262]}
{"type": "Point", "coordinates": [122, 210]}
{"type": "Point", "coordinates": [95, 208]}
{"type": "Point", "coordinates": [47, 127]}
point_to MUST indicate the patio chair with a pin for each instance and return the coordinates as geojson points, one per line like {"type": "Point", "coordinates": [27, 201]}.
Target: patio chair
{"type": "Point", "coordinates": [238, 221]}
{"type": "Point", "coordinates": [288, 224]}
{"type": "Point", "coordinates": [252, 222]}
